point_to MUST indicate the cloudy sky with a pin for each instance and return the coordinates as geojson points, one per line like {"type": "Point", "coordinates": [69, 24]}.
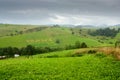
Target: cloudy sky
{"type": "Point", "coordinates": [85, 12]}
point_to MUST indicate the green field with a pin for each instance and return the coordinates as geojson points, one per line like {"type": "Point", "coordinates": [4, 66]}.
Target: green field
{"type": "Point", "coordinates": [48, 37]}
{"type": "Point", "coordinates": [74, 64]}
{"type": "Point", "coordinates": [86, 67]}
{"type": "Point", "coordinates": [10, 29]}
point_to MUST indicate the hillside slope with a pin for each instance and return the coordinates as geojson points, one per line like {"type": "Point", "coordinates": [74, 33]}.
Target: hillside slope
{"type": "Point", "coordinates": [47, 37]}
{"type": "Point", "coordinates": [10, 29]}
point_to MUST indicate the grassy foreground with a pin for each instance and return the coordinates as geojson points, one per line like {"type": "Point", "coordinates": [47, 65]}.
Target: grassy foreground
{"type": "Point", "coordinates": [86, 67]}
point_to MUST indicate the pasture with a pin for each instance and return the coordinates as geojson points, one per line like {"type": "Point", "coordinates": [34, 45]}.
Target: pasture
{"type": "Point", "coordinates": [85, 67]}
{"type": "Point", "coordinates": [93, 63]}
{"type": "Point", "coordinates": [10, 29]}
{"type": "Point", "coordinates": [47, 37]}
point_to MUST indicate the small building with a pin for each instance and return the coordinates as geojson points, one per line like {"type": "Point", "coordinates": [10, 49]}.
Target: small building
{"type": "Point", "coordinates": [16, 55]}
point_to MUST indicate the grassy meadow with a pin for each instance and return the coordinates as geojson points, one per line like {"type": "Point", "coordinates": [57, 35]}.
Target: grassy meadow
{"type": "Point", "coordinates": [47, 37]}
{"type": "Point", "coordinates": [86, 67]}
{"type": "Point", "coordinates": [99, 61]}
{"type": "Point", "coordinates": [10, 29]}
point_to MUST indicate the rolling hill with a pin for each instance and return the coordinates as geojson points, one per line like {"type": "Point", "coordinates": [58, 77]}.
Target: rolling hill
{"type": "Point", "coordinates": [47, 37]}
{"type": "Point", "coordinates": [92, 63]}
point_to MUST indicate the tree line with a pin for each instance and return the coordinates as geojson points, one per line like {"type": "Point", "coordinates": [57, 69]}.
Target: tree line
{"type": "Point", "coordinates": [77, 45]}
{"type": "Point", "coordinates": [31, 50]}
{"type": "Point", "coordinates": [105, 32]}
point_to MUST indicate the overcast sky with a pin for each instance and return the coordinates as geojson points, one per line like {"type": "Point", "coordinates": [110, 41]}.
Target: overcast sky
{"type": "Point", "coordinates": [87, 12]}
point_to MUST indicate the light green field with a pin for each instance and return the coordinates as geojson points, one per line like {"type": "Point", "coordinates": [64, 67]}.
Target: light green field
{"type": "Point", "coordinates": [105, 41]}
{"type": "Point", "coordinates": [47, 37]}
{"type": "Point", "coordinates": [60, 65]}
{"type": "Point", "coordinates": [118, 36]}
{"type": "Point", "coordinates": [86, 67]}
{"type": "Point", "coordinates": [8, 29]}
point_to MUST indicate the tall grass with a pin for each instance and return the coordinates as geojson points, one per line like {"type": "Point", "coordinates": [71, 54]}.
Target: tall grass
{"type": "Point", "coordinates": [87, 67]}
{"type": "Point", "coordinates": [111, 51]}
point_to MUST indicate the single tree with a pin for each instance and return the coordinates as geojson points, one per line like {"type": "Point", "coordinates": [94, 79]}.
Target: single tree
{"type": "Point", "coordinates": [83, 45]}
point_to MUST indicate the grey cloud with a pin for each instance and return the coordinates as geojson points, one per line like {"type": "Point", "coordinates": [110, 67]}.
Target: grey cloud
{"type": "Point", "coordinates": [44, 9]}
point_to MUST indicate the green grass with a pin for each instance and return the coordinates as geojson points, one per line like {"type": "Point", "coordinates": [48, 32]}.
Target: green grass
{"type": "Point", "coordinates": [47, 37]}
{"type": "Point", "coordinates": [59, 65]}
{"type": "Point", "coordinates": [8, 29]}
{"type": "Point", "coordinates": [118, 36]}
{"type": "Point", "coordinates": [64, 53]}
{"type": "Point", "coordinates": [87, 67]}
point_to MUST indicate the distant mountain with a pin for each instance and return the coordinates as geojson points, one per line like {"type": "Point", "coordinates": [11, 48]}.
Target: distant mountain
{"type": "Point", "coordinates": [118, 25]}
{"type": "Point", "coordinates": [61, 25]}
{"type": "Point", "coordinates": [85, 26]}
{"type": "Point", "coordinates": [115, 26]}
{"type": "Point", "coordinates": [98, 26]}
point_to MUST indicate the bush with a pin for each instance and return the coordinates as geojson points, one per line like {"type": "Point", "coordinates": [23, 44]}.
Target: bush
{"type": "Point", "coordinates": [52, 56]}
{"type": "Point", "coordinates": [76, 54]}
{"type": "Point", "coordinates": [73, 32]}
{"type": "Point", "coordinates": [83, 45]}
{"type": "Point", "coordinates": [70, 47]}
{"type": "Point", "coordinates": [117, 43]}
{"type": "Point", "coordinates": [1, 52]}
{"type": "Point", "coordinates": [100, 55]}
{"type": "Point", "coordinates": [77, 44]}
{"type": "Point", "coordinates": [57, 41]}
{"type": "Point", "coordinates": [110, 42]}
{"type": "Point", "coordinates": [92, 51]}
{"type": "Point", "coordinates": [30, 50]}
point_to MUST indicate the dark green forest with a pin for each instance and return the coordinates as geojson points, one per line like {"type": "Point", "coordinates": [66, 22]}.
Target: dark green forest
{"type": "Point", "coordinates": [105, 32]}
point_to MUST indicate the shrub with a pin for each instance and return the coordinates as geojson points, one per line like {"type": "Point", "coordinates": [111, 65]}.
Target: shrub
{"type": "Point", "coordinates": [1, 52]}
{"type": "Point", "coordinates": [57, 41]}
{"type": "Point", "coordinates": [83, 45]}
{"type": "Point", "coordinates": [110, 42]}
{"type": "Point", "coordinates": [52, 56]}
{"type": "Point", "coordinates": [30, 50]}
{"type": "Point", "coordinates": [92, 51]}
{"type": "Point", "coordinates": [73, 32]}
{"type": "Point", "coordinates": [76, 54]}
{"type": "Point", "coordinates": [69, 47]}
{"type": "Point", "coordinates": [77, 44]}
{"type": "Point", "coordinates": [100, 55]}
{"type": "Point", "coordinates": [117, 43]}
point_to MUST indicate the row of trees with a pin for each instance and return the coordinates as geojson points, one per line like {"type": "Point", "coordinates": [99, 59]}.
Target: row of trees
{"type": "Point", "coordinates": [31, 50]}
{"type": "Point", "coordinates": [77, 45]}
{"type": "Point", "coordinates": [105, 32]}
{"type": "Point", "coordinates": [28, 50]}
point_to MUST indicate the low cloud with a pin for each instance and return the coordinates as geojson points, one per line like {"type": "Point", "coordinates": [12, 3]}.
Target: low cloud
{"type": "Point", "coordinates": [60, 11]}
